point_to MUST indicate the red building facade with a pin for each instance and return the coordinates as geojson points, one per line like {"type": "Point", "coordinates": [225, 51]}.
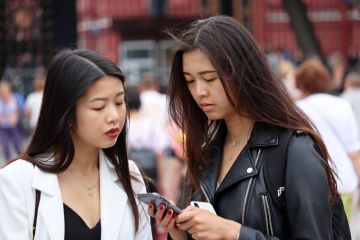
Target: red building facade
{"type": "Point", "coordinates": [102, 25]}
{"type": "Point", "coordinates": [336, 24]}
{"type": "Point", "coordinates": [130, 32]}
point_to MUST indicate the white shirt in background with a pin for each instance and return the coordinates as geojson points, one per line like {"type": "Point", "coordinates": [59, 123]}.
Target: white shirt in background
{"type": "Point", "coordinates": [154, 105]}
{"type": "Point", "coordinates": [33, 104]}
{"type": "Point", "coordinates": [335, 120]}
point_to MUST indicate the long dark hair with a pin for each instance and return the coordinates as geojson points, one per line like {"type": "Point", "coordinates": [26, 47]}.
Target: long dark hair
{"type": "Point", "coordinates": [70, 74]}
{"type": "Point", "coordinates": [248, 82]}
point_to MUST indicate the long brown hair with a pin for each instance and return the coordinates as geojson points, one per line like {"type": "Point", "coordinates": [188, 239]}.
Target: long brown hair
{"type": "Point", "coordinates": [248, 82]}
{"type": "Point", "coordinates": [70, 74]}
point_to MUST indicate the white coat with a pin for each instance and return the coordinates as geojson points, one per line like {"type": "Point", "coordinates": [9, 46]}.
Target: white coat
{"type": "Point", "coordinates": [19, 180]}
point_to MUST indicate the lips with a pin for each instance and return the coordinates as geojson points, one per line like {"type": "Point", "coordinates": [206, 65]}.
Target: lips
{"type": "Point", "coordinates": [206, 107]}
{"type": "Point", "coordinates": [112, 133]}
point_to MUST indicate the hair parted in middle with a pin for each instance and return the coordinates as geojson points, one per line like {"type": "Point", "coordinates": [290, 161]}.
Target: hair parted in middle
{"type": "Point", "coordinates": [249, 84]}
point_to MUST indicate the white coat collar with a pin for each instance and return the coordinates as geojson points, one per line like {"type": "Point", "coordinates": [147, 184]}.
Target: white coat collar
{"type": "Point", "coordinates": [113, 200]}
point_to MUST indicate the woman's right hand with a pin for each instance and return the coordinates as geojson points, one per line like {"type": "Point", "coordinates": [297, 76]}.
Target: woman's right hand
{"type": "Point", "coordinates": [167, 221]}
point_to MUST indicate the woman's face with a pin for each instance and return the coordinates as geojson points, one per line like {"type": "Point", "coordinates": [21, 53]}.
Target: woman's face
{"type": "Point", "coordinates": [100, 114]}
{"type": "Point", "coordinates": [205, 86]}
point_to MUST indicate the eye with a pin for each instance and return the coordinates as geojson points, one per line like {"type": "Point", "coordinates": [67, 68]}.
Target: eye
{"type": "Point", "coordinates": [210, 79]}
{"type": "Point", "coordinates": [98, 108]}
{"type": "Point", "coordinates": [119, 103]}
{"type": "Point", "coordinates": [189, 81]}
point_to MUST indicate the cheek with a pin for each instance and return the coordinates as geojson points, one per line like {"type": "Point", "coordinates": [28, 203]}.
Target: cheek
{"type": "Point", "coordinates": [122, 120]}
{"type": "Point", "coordinates": [192, 92]}
{"type": "Point", "coordinates": [87, 122]}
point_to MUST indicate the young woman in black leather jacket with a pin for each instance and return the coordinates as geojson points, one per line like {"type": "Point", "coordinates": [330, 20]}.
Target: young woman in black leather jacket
{"type": "Point", "coordinates": [233, 111]}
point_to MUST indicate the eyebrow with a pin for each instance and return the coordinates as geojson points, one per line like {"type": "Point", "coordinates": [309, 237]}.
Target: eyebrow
{"type": "Point", "coordinates": [202, 72]}
{"type": "Point", "coordinates": [104, 99]}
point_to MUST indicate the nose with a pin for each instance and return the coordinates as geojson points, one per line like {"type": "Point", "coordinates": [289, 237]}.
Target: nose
{"type": "Point", "coordinates": [113, 115]}
{"type": "Point", "coordinates": [201, 89]}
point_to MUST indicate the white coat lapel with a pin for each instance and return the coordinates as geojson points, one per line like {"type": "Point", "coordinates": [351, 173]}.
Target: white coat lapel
{"type": "Point", "coordinates": [113, 201]}
{"type": "Point", "coordinates": [51, 211]}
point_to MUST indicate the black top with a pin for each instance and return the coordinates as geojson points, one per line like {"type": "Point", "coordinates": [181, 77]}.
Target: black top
{"type": "Point", "coordinates": [76, 228]}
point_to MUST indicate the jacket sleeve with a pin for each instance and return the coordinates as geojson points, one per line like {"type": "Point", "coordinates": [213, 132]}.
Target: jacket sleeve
{"type": "Point", "coordinates": [14, 223]}
{"type": "Point", "coordinates": [307, 195]}
{"type": "Point", "coordinates": [307, 191]}
{"type": "Point", "coordinates": [247, 233]}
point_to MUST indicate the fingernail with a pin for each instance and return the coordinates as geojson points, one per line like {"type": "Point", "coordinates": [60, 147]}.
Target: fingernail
{"type": "Point", "coordinates": [170, 212]}
{"type": "Point", "coordinates": [150, 205]}
{"type": "Point", "coordinates": [174, 216]}
{"type": "Point", "coordinates": [162, 207]}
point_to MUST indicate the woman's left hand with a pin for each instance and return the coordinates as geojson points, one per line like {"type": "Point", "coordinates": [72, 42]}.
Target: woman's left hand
{"type": "Point", "coordinates": [202, 224]}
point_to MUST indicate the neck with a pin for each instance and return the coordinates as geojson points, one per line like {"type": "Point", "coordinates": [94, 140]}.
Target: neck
{"type": "Point", "coordinates": [134, 114]}
{"type": "Point", "coordinates": [85, 161]}
{"type": "Point", "coordinates": [238, 128]}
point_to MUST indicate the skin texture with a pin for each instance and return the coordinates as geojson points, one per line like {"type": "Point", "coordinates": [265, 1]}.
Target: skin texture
{"type": "Point", "coordinates": [101, 108]}
{"type": "Point", "coordinates": [205, 86]}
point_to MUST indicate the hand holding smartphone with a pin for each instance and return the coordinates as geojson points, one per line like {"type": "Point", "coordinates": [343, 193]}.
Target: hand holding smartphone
{"type": "Point", "coordinates": [156, 199]}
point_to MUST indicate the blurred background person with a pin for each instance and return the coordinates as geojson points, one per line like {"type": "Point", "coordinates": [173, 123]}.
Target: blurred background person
{"type": "Point", "coordinates": [147, 146]}
{"type": "Point", "coordinates": [33, 102]}
{"type": "Point", "coordinates": [352, 94]}
{"type": "Point", "coordinates": [335, 120]}
{"type": "Point", "coordinates": [9, 118]}
{"type": "Point", "coordinates": [176, 165]}
{"type": "Point", "coordinates": [147, 142]}
{"type": "Point", "coordinates": [153, 102]}
{"type": "Point", "coordinates": [154, 105]}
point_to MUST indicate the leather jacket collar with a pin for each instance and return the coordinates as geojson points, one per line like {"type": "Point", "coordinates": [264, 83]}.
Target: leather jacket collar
{"type": "Point", "coordinates": [244, 166]}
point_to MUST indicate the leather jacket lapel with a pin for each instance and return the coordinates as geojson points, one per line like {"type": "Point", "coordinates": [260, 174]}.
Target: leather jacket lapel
{"type": "Point", "coordinates": [208, 176]}
{"type": "Point", "coordinates": [243, 168]}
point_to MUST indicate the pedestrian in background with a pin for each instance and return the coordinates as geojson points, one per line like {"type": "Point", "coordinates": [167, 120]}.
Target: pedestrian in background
{"type": "Point", "coordinates": [33, 102]}
{"type": "Point", "coordinates": [10, 133]}
{"type": "Point", "coordinates": [234, 115]}
{"type": "Point", "coordinates": [153, 102]}
{"type": "Point", "coordinates": [74, 181]}
{"type": "Point", "coordinates": [352, 94]}
{"type": "Point", "coordinates": [147, 141]}
{"type": "Point", "coordinates": [335, 120]}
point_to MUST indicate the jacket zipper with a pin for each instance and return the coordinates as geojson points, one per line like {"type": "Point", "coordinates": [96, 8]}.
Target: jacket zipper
{"type": "Point", "coordinates": [248, 190]}
{"type": "Point", "coordinates": [267, 213]}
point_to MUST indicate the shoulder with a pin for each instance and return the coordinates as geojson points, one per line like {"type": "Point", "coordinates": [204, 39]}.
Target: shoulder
{"type": "Point", "coordinates": [19, 173]}
{"type": "Point", "coordinates": [134, 170]}
{"type": "Point", "coordinates": [351, 95]}
{"type": "Point", "coordinates": [301, 143]}
{"type": "Point", "coordinates": [303, 155]}
{"type": "Point", "coordinates": [137, 180]}
{"type": "Point", "coordinates": [17, 167]}
{"type": "Point", "coordinates": [323, 99]}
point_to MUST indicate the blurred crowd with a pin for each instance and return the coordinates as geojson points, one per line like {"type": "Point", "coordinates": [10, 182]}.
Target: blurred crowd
{"type": "Point", "coordinates": [329, 93]}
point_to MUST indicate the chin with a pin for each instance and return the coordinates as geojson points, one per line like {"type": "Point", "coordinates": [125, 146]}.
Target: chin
{"type": "Point", "coordinates": [213, 117]}
{"type": "Point", "coordinates": [108, 145]}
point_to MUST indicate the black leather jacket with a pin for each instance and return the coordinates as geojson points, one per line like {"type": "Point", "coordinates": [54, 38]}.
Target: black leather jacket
{"type": "Point", "coordinates": [243, 196]}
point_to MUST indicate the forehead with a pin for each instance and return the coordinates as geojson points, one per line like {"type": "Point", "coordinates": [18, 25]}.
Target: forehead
{"type": "Point", "coordinates": [104, 87]}
{"type": "Point", "coordinates": [196, 60]}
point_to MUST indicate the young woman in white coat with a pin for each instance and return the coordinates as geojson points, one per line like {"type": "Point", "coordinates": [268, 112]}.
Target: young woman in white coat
{"type": "Point", "coordinates": [76, 160]}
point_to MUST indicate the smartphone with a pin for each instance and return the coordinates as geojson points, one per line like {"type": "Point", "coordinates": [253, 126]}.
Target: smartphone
{"type": "Point", "coordinates": [156, 199]}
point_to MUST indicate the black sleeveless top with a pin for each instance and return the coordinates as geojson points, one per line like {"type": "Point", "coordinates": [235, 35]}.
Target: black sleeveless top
{"type": "Point", "coordinates": [76, 228]}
